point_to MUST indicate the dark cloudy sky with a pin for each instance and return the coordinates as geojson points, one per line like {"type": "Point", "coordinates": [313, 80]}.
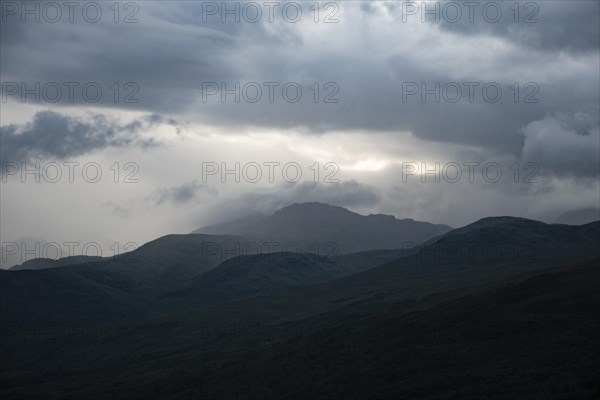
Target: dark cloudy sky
{"type": "Point", "coordinates": [161, 118]}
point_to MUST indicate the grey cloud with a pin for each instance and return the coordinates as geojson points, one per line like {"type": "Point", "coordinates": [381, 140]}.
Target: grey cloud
{"type": "Point", "coordinates": [167, 54]}
{"type": "Point", "coordinates": [370, 97]}
{"type": "Point", "coordinates": [54, 135]}
{"type": "Point", "coordinates": [171, 52]}
{"type": "Point", "coordinates": [583, 123]}
{"type": "Point", "coordinates": [182, 194]}
{"type": "Point", "coordinates": [572, 26]}
{"type": "Point", "coordinates": [148, 121]}
{"type": "Point", "coordinates": [557, 146]}
{"type": "Point", "coordinates": [117, 209]}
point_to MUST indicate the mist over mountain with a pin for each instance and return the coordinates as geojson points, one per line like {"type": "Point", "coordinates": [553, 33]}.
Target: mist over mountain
{"type": "Point", "coordinates": [579, 217]}
{"type": "Point", "coordinates": [313, 224]}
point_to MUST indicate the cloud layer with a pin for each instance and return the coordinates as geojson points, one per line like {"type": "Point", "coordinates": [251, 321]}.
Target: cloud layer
{"type": "Point", "coordinates": [54, 136]}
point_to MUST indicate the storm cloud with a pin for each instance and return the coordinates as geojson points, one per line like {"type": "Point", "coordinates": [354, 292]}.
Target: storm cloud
{"type": "Point", "coordinates": [52, 135]}
{"type": "Point", "coordinates": [364, 67]}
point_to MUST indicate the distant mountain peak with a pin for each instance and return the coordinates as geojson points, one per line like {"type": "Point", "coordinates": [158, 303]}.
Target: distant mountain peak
{"type": "Point", "coordinates": [312, 207]}
{"type": "Point", "coordinates": [387, 217]}
{"type": "Point", "coordinates": [312, 223]}
{"type": "Point", "coordinates": [499, 220]}
{"type": "Point", "coordinates": [311, 204]}
{"type": "Point", "coordinates": [502, 219]}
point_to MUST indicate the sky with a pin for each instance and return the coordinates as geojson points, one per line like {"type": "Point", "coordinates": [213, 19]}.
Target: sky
{"type": "Point", "coordinates": [123, 122]}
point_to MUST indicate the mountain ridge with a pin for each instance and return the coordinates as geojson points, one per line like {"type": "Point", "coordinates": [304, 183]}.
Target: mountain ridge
{"type": "Point", "coordinates": [313, 223]}
{"type": "Point", "coordinates": [173, 263]}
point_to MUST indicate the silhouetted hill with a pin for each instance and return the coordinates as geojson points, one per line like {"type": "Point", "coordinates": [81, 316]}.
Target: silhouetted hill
{"type": "Point", "coordinates": [13, 253]}
{"type": "Point", "coordinates": [511, 238]}
{"type": "Point", "coordinates": [111, 289]}
{"type": "Point", "coordinates": [135, 285]}
{"type": "Point", "coordinates": [535, 337]}
{"type": "Point", "coordinates": [268, 274]}
{"type": "Point", "coordinates": [503, 307]}
{"type": "Point", "coordinates": [313, 225]}
{"type": "Point", "coordinates": [487, 250]}
{"type": "Point", "coordinates": [43, 263]}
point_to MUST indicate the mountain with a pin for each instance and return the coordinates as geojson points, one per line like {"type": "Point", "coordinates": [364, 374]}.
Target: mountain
{"type": "Point", "coordinates": [498, 238]}
{"type": "Point", "coordinates": [488, 250]}
{"type": "Point", "coordinates": [579, 217]}
{"type": "Point", "coordinates": [117, 288]}
{"type": "Point", "coordinates": [476, 256]}
{"type": "Point", "coordinates": [501, 308]}
{"type": "Point", "coordinates": [330, 230]}
{"type": "Point", "coordinates": [14, 253]}
{"type": "Point", "coordinates": [171, 274]}
{"type": "Point", "coordinates": [533, 337]}
{"type": "Point", "coordinates": [301, 228]}
{"type": "Point", "coordinates": [43, 263]}
{"type": "Point", "coordinates": [274, 273]}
